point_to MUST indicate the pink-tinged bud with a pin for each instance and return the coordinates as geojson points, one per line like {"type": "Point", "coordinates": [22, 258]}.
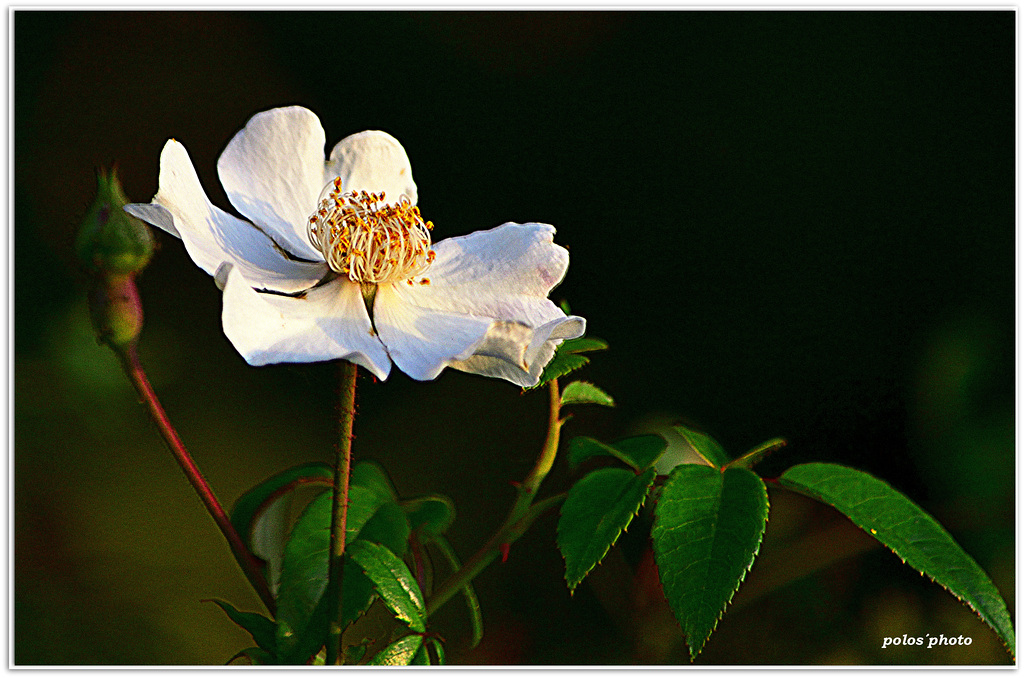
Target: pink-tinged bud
{"type": "Point", "coordinates": [116, 309]}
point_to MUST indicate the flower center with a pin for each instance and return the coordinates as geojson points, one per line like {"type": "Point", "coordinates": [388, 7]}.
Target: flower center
{"type": "Point", "coordinates": [369, 240]}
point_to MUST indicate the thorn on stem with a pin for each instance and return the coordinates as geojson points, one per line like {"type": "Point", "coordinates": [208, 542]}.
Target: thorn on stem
{"type": "Point", "coordinates": [504, 551]}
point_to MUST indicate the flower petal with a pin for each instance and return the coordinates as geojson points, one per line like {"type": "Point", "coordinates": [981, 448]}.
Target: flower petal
{"type": "Point", "coordinates": [504, 273]}
{"type": "Point", "coordinates": [498, 280]}
{"type": "Point", "coordinates": [327, 323]}
{"type": "Point", "coordinates": [212, 236]}
{"type": "Point", "coordinates": [517, 353]}
{"type": "Point", "coordinates": [272, 171]}
{"type": "Point", "coordinates": [423, 341]}
{"type": "Point", "coordinates": [372, 161]}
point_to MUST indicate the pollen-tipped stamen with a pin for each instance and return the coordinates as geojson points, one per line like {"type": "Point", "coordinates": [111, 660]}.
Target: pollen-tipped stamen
{"type": "Point", "coordinates": [370, 241]}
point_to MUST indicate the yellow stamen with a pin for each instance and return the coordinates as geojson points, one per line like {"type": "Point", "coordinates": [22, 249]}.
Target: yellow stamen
{"type": "Point", "coordinates": [369, 240]}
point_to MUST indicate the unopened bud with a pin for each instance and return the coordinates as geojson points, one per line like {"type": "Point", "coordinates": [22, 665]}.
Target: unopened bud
{"type": "Point", "coordinates": [111, 240]}
{"type": "Point", "coordinates": [116, 309]}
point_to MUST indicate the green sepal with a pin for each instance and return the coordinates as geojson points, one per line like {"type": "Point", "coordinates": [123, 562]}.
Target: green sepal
{"type": "Point", "coordinates": [598, 508]}
{"type": "Point", "coordinates": [637, 452]}
{"type": "Point", "coordinates": [708, 526]}
{"type": "Point", "coordinates": [110, 239]}
{"type": "Point", "coordinates": [908, 531]}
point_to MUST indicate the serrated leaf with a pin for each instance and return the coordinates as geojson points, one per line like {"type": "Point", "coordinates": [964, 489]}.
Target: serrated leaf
{"type": "Point", "coordinates": [301, 619]}
{"type": "Point", "coordinates": [599, 507]}
{"type": "Point", "coordinates": [585, 393]}
{"type": "Point", "coordinates": [708, 526]}
{"type": "Point", "coordinates": [906, 529]}
{"type": "Point", "coordinates": [402, 652]}
{"type": "Point", "coordinates": [259, 627]}
{"type": "Point", "coordinates": [638, 452]}
{"type": "Point", "coordinates": [583, 345]}
{"type": "Point", "coordinates": [567, 358]}
{"type": "Point", "coordinates": [431, 515]}
{"type": "Point", "coordinates": [704, 445]}
{"type": "Point", "coordinates": [560, 366]}
{"type": "Point", "coordinates": [748, 459]}
{"type": "Point", "coordinates": [393, 582]}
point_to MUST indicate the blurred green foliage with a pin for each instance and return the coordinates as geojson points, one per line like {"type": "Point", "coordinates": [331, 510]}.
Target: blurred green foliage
{"type": "Point", "coordinates": [784, 223]}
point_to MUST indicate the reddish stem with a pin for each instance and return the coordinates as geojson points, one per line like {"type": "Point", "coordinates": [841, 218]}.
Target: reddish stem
{"type": "Point", "coordinates": [249, 564]}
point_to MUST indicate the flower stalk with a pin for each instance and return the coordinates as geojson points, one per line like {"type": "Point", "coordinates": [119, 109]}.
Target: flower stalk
{"type": "Point", "coordinates": [248, 562]}
{"type": "Point", "coordinates": [523, 514]}
{"type": "Point", "coordinates": [339, 509]}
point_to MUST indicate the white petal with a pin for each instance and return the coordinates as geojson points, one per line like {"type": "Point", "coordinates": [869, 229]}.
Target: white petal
{"type": "Point", "coordinates": [504, 273]}
{"type": "Point", "coordinates": [272, 171]}
{"type": "Point", "coordinates": [372, 161]}
{"type": "Point", "coordinates": [330, 322]}
{"type": "Point", "coordinates": [212, 236]}
{"type": "Point", "coordinates": [517, 353]}
{"type": "Point", "coordinates": [503, 276]}
{"type": "Point", "coordinates": [423, 341]}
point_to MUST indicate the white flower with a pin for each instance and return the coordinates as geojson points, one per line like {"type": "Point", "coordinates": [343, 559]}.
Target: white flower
{"type": "Point", "coordinates": [336, 261]}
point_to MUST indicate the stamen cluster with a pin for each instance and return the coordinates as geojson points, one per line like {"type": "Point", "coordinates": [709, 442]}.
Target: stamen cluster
{"type": "Point", "coordinates": [368, 240]}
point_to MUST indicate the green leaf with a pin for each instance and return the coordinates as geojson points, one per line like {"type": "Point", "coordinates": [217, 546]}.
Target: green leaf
{"type": "Point", "coordinates": [259, 627]}
{"type": "Point", "coordinates": [704, 445]}
{"type": "Point", "coordinates": [913, 535]}
{"type": "Point", "coordinates": [707, 529]}
{"type": "Point", "coordinates": [757, 454]}
{"type": "Point", "coordinates": [567, 358]}
{"type": "Point", "coordinates": [638, 452]}
{"type": "Point", "coordinates": [250, 504]}
{"type": "Point", "coordinates": [599, 507]}
{"type": "Point", "coordinates": [393, 581]}
{"type": "Point", "coordinates": [261, 515]}
{"type": "Point", "coordinates": [583, 345]}
{"type": "Point", "coordinates": [402, 652]}
{"type": "Point", "coordinates": [389, 527]}
{"type": "Point", "coordinates": [301, 620]}
{"type": "Point", "coordinates": [431, 515]}
{"type": "Point", "coordinates": [371, 475]}
{"type": "Point", "coordinates": [584, 393]}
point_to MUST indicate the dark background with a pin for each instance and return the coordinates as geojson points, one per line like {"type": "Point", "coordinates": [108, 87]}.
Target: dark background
{"type": "Point", "coordinates": [795, 224]}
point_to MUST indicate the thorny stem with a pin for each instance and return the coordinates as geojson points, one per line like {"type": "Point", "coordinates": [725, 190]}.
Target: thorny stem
{"type": "Point", "coordinates": [506, 534]}
{"type": "Point", "coordinates": [339, 509]}
{"type": "Point", "coordinates": [523, 512]}
{"type": "Point", "coordinates": [250, 565]}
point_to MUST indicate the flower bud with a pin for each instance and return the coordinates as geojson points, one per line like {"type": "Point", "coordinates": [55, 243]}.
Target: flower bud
{"type": "Point", "coordinates": [110, 240]}
{"type": "Point", "coordinates": [116, 309]}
